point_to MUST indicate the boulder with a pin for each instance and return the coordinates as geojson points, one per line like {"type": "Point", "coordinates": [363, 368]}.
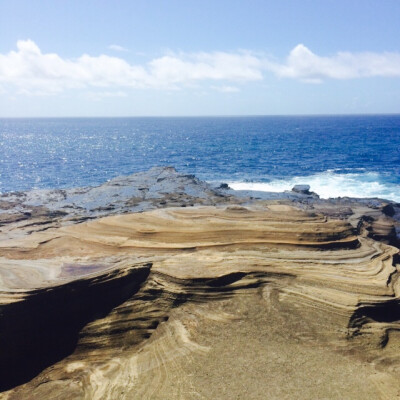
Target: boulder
{"type": "Point", "coordinates": [304, 189]}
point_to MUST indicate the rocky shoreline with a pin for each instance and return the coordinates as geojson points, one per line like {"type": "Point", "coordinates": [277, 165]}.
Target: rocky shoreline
{"type": "Point", "coordinates": [158, 285]}
{"type": "Point", "coordinates": [162, 187]}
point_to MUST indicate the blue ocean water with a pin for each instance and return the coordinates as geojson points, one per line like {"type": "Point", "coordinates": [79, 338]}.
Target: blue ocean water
{"type": "Point", "coordinates": [336, 155]}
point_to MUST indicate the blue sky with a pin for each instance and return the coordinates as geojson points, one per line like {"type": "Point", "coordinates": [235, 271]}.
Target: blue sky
{"type": "Point", "coordinates": [133, 58]}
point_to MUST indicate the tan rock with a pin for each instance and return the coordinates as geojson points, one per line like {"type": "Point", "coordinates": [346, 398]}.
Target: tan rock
{"type": "Point", "coordinates": [201, 302]}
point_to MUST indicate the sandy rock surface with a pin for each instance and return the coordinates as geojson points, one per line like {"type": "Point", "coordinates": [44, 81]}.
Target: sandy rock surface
{"type": "Point", "coordinates": [231, 298]}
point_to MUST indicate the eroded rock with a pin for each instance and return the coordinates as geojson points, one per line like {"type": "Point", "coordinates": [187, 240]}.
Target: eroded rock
{"type": "Point", "coordinates": [161, 296]}
{"type": "Point", "coordinates": [227, 295]}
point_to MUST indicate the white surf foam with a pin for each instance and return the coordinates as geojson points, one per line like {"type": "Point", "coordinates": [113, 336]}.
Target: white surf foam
{"type": "Point", "coordinates": [331, 184]}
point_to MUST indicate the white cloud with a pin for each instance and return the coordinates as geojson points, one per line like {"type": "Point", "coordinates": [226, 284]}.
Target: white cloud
{"type": "Point", "coordinates": [303, 64]}
{"type": "Point", "coordinates": [29, 71]}
{"type": "Point", "coordinates": [117, 47]}
{"type": "Point", "coordinates": [217, 66]}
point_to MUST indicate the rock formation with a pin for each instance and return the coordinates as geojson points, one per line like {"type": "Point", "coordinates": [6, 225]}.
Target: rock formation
{"type": "Point", "coordinates": [239, 299]}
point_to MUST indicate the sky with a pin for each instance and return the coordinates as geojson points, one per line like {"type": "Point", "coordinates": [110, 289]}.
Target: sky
{"type": "Point", "coordinates": [101, 58]}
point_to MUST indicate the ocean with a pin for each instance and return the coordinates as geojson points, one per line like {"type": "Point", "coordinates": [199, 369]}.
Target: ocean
{"type": "Point", "coordinates": [356, 156]}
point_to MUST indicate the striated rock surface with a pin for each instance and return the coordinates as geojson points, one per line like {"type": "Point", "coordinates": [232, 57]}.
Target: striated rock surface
{"type": "Point", "coordinates": [259, 301]}
{"type": "Point", "coordinates": [160, 286]}
{"type": "Point", "coordinates": [22, 213]}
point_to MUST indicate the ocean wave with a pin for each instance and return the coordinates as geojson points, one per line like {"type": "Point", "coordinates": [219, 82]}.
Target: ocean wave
{"type": "Point", "coordinates": [331, 184]}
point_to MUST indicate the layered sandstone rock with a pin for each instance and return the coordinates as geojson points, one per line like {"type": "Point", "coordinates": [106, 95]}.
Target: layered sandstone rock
{"type": "Point", "coordinates": [263, 301]}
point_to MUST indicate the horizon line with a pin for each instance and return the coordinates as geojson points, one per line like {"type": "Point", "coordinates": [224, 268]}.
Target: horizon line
{"type": "Point", "coordinates": [207, 116]}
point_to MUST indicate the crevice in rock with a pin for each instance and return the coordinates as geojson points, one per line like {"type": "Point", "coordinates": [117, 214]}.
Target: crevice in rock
{"type": "Point", "coordinates": [44, 327]}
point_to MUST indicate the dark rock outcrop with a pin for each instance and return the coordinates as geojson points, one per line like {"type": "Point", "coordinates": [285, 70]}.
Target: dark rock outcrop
{"type": "Point", "coordinates": [304, 189]}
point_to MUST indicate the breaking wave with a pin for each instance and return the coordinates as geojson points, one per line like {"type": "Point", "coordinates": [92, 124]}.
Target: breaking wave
{"type": "Point", "coordinates": [332, 184]}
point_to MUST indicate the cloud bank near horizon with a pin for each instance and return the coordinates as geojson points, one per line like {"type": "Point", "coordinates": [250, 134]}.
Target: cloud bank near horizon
{"type": "Point", "coordinates": [30, 71]}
